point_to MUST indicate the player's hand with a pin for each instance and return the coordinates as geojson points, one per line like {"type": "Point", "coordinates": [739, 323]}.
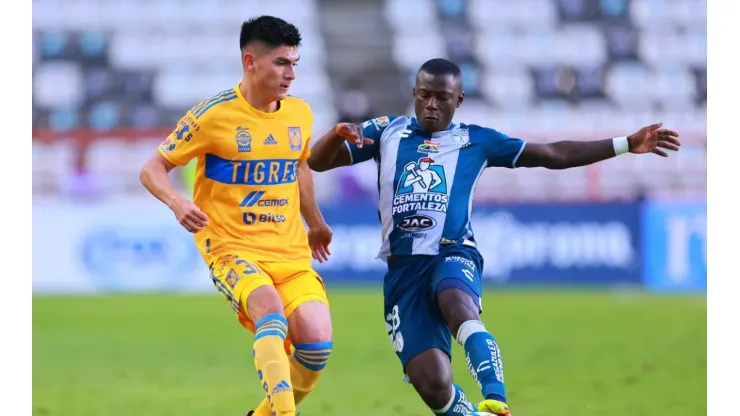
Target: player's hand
{"type": "Point", "coordinates": [319, 239]}
{"type": "Point", "coordinates": [188, 214]}
{"type": "Point", "coordinates": [651, 138]}
{"type": "Point", "coordinates": [352, 133]}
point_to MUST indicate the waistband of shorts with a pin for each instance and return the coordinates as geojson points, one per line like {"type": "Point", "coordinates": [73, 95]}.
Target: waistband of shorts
{"type": "Point", "coordinates": [405, 257]}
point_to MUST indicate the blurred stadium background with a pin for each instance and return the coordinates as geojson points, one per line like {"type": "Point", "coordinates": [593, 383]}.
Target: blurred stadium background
{"type": "Point", "coordinates": [111, 78]}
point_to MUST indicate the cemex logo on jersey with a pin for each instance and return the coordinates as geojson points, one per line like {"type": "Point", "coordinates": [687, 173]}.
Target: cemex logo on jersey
{"type": "Point", "coordinates": [255, 197]}
{"type": "Point", "coordinates": [422, 187]}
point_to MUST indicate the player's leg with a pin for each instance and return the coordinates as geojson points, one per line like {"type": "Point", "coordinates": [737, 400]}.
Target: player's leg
{"type": "Point", "coordinates": [431, 375]}
{"type": "Point", "coordinates": [421, 339]}
{"type": "Point", "coordinates": [264, 307]}
{"type": "Point", "coordinates": [458, 296]}
{"type": "Point", "coordinates": [260, 308]}
{"type": "Point", "coordinates": [310, 329]}
{"type": "Point", "coordinates": [311, 332]}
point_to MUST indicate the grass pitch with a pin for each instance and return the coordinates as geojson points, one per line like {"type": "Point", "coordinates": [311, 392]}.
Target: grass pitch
{"type": "Point", "coordinates": [565, 353]}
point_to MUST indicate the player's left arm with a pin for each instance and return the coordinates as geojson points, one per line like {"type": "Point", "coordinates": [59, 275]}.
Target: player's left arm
{"type": "Point", "coordinates": [569, 154]}
{"type": "Point", "coordinates": [319, 233]}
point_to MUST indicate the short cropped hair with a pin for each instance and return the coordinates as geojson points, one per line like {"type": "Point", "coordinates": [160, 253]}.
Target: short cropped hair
{"type": "Point", "coordinates": [440, 66]}
{"type": "Point", "coordinates": [269, 30]}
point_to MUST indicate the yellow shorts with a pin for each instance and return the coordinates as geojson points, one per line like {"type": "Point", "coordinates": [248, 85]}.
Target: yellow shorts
{"type": "Point", "coordinates": [235, 277]}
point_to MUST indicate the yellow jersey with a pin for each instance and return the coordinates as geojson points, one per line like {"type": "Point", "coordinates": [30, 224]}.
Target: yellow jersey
{"type": "Point", "coordinates": [246, 176]}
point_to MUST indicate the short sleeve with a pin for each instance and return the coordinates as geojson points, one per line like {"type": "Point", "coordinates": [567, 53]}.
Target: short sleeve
{"type": "Point", "coordinates": [372, 129]}
{"type": "Point", "coordinates": [308, 129]}
{"type": "Point", "coordinates": [501, 150]}
{"type": "Point", "coordinates": [186, 142]}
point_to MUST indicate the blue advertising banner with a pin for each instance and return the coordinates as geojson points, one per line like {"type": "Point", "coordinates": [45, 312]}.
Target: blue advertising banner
{"type": "Point", "coordinates": [579, 244]}
{"type": "Point", "coordinates": [675, 242]}
{"type": "Point", "coordinates": [140, 247]}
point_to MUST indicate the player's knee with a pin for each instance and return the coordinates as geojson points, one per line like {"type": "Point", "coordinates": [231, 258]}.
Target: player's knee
{"type": "Point", "coordinates": [457, 307]}
{"type": "Point", "coordinates": [264, 301]}
{"type": "Point", "coordinates": [310, 323]}
{"type": "Point", "coordinates": [311, 332]}
{"type": "Point", "coordinates": [431, 376]}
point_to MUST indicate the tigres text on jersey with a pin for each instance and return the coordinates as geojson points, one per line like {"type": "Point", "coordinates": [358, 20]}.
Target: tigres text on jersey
{"type": "Point", "coordinates": [246, 178]}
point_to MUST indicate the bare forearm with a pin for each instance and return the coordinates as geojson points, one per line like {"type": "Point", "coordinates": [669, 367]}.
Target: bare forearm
{"type": "Point", "coordinates": [309, 208]}
{"type": "Point", "coordinates": [566, 154]}
{"type": "Point", "coordinates": [155, 178]}
{"type": "Point", "coordinates": [326, 152]}
{"type": "Point", "coordinates": [576, 154]}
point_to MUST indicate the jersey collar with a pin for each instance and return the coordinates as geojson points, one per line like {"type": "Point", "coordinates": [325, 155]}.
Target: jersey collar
{"type": "Point", "coordinates": [416, 128]}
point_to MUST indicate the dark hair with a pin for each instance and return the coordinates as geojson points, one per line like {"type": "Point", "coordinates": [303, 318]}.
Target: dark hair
{"type": "Point", "coordinates": [270, 30]}
{"type": "Point", "coordinates": [440, 66]}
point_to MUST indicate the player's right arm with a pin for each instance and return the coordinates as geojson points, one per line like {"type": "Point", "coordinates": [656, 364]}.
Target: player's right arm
{"type": "Point", "coordinates": [181, 146]}
{"type": "Point", "coordinates": [348, 144]}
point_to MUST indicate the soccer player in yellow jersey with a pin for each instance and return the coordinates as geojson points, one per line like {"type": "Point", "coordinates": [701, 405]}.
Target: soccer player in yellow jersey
{"type": "Point", "coordinates": [252, 184]}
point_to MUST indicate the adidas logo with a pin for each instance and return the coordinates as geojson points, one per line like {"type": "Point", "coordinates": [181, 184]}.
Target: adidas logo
{"type": "Point", "coordinates": [270, 140]}
{"type": "Point", "coordinates": [282, 386]}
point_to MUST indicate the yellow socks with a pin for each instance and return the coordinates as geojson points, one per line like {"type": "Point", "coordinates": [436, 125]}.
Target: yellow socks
{"type": "Point", "coordinates": [306, 366]}
{"type": "Point", "coordinates": [272, 364]}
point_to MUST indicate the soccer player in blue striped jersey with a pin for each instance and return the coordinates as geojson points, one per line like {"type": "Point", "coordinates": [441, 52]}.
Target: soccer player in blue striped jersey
{"type": "Point", "coordinates": [428, 167]}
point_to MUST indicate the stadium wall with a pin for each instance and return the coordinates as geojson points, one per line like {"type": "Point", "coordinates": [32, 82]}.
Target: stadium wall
{"type": "Point", "coordinates": [137, 246]}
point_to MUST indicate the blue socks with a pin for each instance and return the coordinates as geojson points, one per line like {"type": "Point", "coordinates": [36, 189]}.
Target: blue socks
{"type": "Point", "coordinates": [484, 359]}
{"type": "Point", "coordinates": [458, 404]}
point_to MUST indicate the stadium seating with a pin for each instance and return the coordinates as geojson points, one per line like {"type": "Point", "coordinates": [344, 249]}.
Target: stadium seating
{"type": "Point", "coordinates": [112, 77]}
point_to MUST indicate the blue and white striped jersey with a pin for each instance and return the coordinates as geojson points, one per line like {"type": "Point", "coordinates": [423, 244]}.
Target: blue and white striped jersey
{"type": "Point", "coordinates": [426, 181]}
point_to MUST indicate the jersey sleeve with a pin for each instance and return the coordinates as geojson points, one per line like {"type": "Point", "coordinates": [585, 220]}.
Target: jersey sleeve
{"type": "Point", "coordinates": [186, 142]}
{"type": "Point", "coordinates": [501, 150]}
{"type": "Point", "coordinates": [372, 129]}
{"type": "Point", "coordinates": [307, 142]}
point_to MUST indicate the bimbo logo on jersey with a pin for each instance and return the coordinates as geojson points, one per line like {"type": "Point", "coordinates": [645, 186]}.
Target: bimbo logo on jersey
{"type": "Point", "coordinates": [422, 187]}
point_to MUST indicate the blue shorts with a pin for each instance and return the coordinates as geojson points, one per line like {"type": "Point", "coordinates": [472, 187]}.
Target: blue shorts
{"type": "Point", "coordinates": [413, 318]}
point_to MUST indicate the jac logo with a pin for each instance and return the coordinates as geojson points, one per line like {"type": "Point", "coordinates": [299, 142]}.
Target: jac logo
{"type": "Point", "coordinates": [417, 223]}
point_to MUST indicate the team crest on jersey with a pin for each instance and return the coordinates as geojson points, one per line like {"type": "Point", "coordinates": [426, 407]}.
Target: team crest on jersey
{"type": "Point", "coordinates": [243, 139]}
{"type": "Point", "coordinates": [232, 278]}
{"type": "Point", "coordinates": [428, 146]}
{"type": "Point", "coordinates": [295, 138]}
{"type": "Point", "coordinates": [422, 187]}
{"type": "Point", "coordinates": [461, 137]}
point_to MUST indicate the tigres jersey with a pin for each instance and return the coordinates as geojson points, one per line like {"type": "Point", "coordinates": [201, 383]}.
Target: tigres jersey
{"type": "Point", "coordinates": [246, 176]}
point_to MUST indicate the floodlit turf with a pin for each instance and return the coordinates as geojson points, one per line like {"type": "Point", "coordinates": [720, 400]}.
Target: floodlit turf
{"type": "Point", "coordinates": [564, 354]}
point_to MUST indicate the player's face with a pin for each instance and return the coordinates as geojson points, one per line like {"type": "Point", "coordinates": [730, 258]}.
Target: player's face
{"type": "Point", "coordinates": [274, 71]}
{"type": "Point", "coordinates": [436, 97]}
{"type": "Point", "coordinates": [424, 165]}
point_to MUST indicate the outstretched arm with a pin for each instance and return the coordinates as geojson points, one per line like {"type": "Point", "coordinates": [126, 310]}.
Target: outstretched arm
{"type": "Point", "coordinates": [570, 154]}
{"type": "Point", "coordinates": [330, 151]}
